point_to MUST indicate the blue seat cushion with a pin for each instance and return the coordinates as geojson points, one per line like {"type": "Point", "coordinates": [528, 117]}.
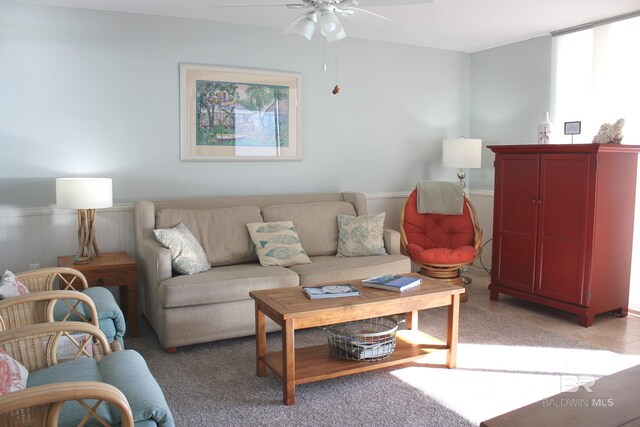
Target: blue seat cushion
{"type": "Point", "coordinates": [125, 370]}
{"type": "Point", "coordinates": [83, 369]}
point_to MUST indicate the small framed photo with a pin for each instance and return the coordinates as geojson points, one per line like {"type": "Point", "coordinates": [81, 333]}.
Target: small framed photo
{"type": "Point", "coordinates": [572, 128]}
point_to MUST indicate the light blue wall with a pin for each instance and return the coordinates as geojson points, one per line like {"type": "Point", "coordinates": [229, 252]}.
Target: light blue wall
{"type": "Point", "coordinates": [96, 93]}
{"type": "Point", "coordinates": [510, 90]}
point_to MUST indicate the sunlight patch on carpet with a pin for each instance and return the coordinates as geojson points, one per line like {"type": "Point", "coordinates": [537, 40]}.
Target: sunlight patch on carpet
{"type": "Point", "coordinates": [493, 379]}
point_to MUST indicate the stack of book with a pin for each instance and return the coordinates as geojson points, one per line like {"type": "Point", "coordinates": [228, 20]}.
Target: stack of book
{"type": "Point", "coordinates": [333, 291]}
{"type": "Point", "coordinates": [392, 282]}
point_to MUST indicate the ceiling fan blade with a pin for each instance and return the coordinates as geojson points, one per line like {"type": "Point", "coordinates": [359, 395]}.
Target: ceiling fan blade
{"type": "Point", "coordinates": [360, 12]}
{"type": "Point", "coordinates": [369, 3]}
{"type": "Point", "coordinates": [257, 5]}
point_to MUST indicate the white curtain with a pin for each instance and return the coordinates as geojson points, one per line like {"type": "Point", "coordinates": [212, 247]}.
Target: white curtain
{"type": "Point", "coordinates": [596, 80]}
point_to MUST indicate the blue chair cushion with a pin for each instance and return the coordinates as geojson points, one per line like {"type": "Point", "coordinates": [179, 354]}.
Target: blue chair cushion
{"type": "Point", "coordinates": [110, 318]}
{"type": "Point", "coordinates": [84, 369]}
{"type": "Point", "coordinates": [125, 370]}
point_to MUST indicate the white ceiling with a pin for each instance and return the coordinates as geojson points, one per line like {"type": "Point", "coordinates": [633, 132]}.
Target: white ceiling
{"type": "Point", "coordinates": [461, 25]}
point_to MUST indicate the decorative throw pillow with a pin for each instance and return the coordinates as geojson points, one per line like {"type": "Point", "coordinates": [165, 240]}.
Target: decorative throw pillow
{"type": "Point", "coordinates": [277, 243]}
{"type": "Point", "coordinates": [361, 235]}
{"type": "Point", "coordinates": [187, 256]}
{"type": "Point", "coordinates": [13, 376]}
{"type": "Point", "coordinates": [10, 286]}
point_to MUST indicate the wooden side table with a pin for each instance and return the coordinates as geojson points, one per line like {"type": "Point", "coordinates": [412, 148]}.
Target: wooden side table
{"type": "Point", "coordinates": [113, 269]}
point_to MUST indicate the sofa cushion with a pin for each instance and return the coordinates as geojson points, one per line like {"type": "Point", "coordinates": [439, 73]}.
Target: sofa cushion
{"type": "Point", "coordinates": [223, 284]}
{"type": "Point", "coordinates": [316, 223]}
{"type": "Point", "coordinates": [361, 235]}
{"type": "Point", "coordinates": [222, 232]}
{"type": "Point", "coordinates": [332, 269]}
{"type": "Point", "coordinates": [187, 256]}
{"type": "Point", "coordinates": [277, 243]}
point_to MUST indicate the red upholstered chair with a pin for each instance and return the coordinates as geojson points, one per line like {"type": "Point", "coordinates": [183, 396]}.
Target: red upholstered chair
{"type": "Point", "coordinates": [440, 244]}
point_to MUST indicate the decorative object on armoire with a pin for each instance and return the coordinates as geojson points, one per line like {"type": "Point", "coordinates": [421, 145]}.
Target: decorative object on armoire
{"type": "Point", "coordinates": [86, 195]}
{"type": "Point", "coordinates": [610, 133]}
{"type": "Point", "coordinates": [563, 226]}
{"type": "Point", "coordinates": [544, 129]}
{"type": "Point", "coordinates": [462, 153]}
{"type": "Point", "coordinates": [572, 128]}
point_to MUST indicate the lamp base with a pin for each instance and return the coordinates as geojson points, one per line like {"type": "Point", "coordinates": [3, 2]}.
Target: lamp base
{"type": "Point", "coordinates": [81, 260]}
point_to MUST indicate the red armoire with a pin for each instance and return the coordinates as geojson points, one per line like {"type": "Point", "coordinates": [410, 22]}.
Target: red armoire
{"type": "Point", "coordinates": [563, 226]}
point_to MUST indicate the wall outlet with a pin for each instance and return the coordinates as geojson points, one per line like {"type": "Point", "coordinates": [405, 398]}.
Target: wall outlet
{"type": "Point", "coordinates": [34, 266]}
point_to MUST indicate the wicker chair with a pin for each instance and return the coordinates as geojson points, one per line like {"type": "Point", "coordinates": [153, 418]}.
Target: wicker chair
{"type": "Point", "coordinates": [110, 318]}
{"type": "Point", "coordinates": [440, 244]}
{"type": "Point", "coordinates": [36, 347]}
{"type": "Point", "coordinates": [89, 388]}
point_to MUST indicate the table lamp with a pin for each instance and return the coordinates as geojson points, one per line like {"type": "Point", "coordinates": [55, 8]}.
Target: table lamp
{"type": "Point", "coordinates": [462, 153]}
{"type": "Point", "coordinates": [86, 195]}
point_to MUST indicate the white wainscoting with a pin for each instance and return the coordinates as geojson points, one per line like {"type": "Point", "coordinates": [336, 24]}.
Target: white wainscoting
{"type": "Point", "coordinates": [38, 236]}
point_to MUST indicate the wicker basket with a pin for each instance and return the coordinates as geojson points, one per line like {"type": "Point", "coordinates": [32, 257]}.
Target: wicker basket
{"type": "Point", "coordinates": [363, 340]}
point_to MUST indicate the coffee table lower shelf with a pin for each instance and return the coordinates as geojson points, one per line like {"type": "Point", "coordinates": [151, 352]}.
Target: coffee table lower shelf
{"type": "Point", "coordinates": [316, 363]}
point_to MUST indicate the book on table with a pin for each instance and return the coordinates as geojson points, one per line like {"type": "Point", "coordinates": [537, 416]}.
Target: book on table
{"type": "Point", "coordinates": [392, 282]}
{"type": "Point", "coordinates": [331, 291]}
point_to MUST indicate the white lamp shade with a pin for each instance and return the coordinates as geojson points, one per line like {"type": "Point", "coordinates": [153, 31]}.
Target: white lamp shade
{"type": "Point", "coordinates": [84, 193]}
{"type": "Point", "coordinates": [330, 25]}
{"type": "Point", "coordinates": [305, 27]}
{"type": "Point", "coordinates": [462, 153]}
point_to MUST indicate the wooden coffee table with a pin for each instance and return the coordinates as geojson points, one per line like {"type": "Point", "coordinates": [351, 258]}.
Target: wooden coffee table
{"type": "Point", "coordinates": [292, 310]}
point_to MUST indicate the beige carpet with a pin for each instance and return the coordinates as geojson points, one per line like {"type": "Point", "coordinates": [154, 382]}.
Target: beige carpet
{"type": "Point", "coordinates": [503, 364]}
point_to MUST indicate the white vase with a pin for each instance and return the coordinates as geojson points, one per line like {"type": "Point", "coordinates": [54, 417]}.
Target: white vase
{"type": "Point", "coordinates": [544, 129]}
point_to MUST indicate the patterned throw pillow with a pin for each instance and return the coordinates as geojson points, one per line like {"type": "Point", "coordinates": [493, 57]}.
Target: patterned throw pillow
{"type": "Point", "coordinates": [361, 236]}
{"type": "Point", "coordinates": [277, 243]}
{"type": "Point", "coordinates": [13, 376]}
{"type": "Point", "coordinates": [10, 286]}
{"type": "Point", "coordinates": [187, 256]}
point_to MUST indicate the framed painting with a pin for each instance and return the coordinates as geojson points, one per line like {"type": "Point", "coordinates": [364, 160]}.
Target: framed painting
{"type": "Point", "coordinates": [238, 114]}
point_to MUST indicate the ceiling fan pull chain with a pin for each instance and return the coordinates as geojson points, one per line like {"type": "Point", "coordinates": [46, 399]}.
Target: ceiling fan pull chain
{"type": "Point", "coordinates": [324, 60]}
{"type": "Point", "coordinates": [336, 89]}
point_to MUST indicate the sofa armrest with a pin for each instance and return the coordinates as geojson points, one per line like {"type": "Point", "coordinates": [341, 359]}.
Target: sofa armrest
{"type": "Point", "coordinates": [391, 241]}
{"type": "Point", "coordinates": [155, 261]}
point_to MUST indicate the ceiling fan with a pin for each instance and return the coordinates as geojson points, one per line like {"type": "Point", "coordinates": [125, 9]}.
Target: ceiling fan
{"type": "Point", "coordinates": [325, 15]}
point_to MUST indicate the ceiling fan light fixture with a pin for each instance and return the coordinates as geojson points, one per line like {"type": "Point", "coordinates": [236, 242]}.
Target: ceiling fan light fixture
{"type": "Point", "coordinates": [335, 37]}
{"type": "Point", "coordinates": [306, 27]}
{"type": "Point", "coordinates": [330, 25]}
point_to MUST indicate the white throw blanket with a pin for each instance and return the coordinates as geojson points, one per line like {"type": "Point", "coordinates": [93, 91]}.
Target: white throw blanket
{"type": "Point", "coordinates": [440, 197]}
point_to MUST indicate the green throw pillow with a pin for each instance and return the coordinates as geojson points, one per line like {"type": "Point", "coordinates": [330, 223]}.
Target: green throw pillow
{"type": "Point", "coordinates": [187, 256]}
{"type": "Point", "coordinates": [361, 235]}
{"type": "Point", "coordinates": [277, 243]}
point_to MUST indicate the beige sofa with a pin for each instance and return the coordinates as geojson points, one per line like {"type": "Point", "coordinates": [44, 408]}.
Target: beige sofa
{"type": "Point", "coordinates": [215, 304]}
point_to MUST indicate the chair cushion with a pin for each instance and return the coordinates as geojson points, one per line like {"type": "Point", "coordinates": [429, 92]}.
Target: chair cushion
{"type": "Point", "coordinates": [13, 375]}
{"type": "Point", "coordinates": [10, 286]}
{"type": "Point", "coordinates": [128, 372]}
{"type": "Point", "coordinates": [461, 255]}
{"type": "Point", "coordinates": [430, 231]}
{"type": "Point", "coordinates": [83, 369]}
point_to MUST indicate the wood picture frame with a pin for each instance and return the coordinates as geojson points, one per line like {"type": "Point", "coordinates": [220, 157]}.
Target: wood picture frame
{"type": "Point", "coordinates": [239, 114]}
